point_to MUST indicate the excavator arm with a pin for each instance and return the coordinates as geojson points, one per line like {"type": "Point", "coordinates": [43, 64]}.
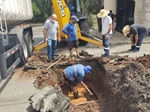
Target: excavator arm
{"type": "Point", "coordinates": [63, 14]}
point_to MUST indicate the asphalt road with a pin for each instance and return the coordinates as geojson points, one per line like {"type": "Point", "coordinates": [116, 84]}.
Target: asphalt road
{"type": "Point", "coordinates": [119, 45]}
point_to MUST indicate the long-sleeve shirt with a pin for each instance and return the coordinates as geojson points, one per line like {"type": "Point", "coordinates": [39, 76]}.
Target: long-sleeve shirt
{"type": "Point", "coordinates": [74, 71]}
{"type": "Point", "coordinates": [71, 30]}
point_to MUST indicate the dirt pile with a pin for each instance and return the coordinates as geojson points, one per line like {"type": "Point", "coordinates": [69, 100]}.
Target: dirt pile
{"type": "Point", "coordinates": [130, 85]}
{"type": "Point", "coordinates": [145, 60]}
{"type": "Point", "coordinates": [120, 83]}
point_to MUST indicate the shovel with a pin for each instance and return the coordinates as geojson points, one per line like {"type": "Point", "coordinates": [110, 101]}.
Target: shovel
{"type": "Point", "coordinates": [45, 71]}
{"type": "Point", "coordinates": [62, 57]}
{"type": "Point", "coordinates": [87, 88]}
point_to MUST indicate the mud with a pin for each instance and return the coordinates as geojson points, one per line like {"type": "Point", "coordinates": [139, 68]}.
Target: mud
{"type": "Point", "coordinates": [121, 84]}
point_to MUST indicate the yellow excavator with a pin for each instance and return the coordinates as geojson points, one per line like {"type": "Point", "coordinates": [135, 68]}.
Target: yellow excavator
{"type": "Point", "coordinates": [63, 14]}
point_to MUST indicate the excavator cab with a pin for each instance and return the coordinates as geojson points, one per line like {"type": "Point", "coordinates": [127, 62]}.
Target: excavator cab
{"type": "Point", "coordinates": [74, 7]}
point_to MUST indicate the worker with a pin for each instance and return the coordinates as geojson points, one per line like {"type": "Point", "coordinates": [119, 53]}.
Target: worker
{"type": "Point", "coordinates": [70, 6]}
{"type": "Point", "coordinates": [106, 32]}
{"type": "Point", "coordinates": [51, 35]}
{"type": "Point", "coordinates": [114, 23]}
{"type": "Point", "coordinates": [113, 17]}
{"type": "Point", "coordinates": [111, 14]}
{"type": "Point", "coordinates": [74, 75]}
{"type": "Point", "coordinates": [136, 33]}
{"type": "Point", "coordinates": [71, 30]}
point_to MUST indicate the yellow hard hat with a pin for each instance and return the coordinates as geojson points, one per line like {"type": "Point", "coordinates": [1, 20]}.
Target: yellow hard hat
{"type": "Point", "coordinates": [125, 30]}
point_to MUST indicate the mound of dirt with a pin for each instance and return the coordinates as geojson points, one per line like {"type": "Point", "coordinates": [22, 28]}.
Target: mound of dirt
{"type": "Point", "coordinates": [130, 85]}
{"type": "Point", "coordinates": [120, 83]}
{"type": "Point", "coordinates": [145, 60]}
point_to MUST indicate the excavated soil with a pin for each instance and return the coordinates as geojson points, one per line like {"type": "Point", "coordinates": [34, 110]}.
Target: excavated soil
{"type": "Point", "coordinates": [121, 84]}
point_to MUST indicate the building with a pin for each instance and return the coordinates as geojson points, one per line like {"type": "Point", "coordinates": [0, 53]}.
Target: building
{"type": "Point", "coordinates": [139, 10]}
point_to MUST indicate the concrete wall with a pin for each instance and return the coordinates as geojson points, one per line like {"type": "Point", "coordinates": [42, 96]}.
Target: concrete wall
{"type": "Point", "coordinates": [142, 12]}
{"type": "Point", "coordinates": [110, 5]}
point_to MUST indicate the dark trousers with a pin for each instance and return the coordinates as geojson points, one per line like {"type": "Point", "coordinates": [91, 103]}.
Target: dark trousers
{"type": "Point", "coordinates": [51, 47]}
{"type": "Point", "coordinates": [70, 83]}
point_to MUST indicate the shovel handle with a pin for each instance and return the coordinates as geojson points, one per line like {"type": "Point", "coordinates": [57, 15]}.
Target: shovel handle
{"type": "Point", "coordinates": [62, 56]}
{"type": "Point", "coordinates": [86, 88]}
{"type": "Point", "coordinates": [54, 64]}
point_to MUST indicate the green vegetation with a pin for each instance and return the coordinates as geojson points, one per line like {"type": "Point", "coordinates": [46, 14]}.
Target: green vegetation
{"type": "Point", "coordinates": [42, 9]}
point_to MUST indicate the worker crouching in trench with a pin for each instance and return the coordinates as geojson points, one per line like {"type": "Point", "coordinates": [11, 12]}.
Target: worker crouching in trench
{"type": "Point", "coordinates": [74, 75]}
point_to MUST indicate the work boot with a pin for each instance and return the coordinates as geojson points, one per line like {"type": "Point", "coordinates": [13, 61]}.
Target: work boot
{"type": "Point", "coordinates": [137, 49]}
{"type": "Point", "coordinates": [132, 48]}
{"type": "Point", "coordinates": [70, 88]}
{"type": "Point", "coordinates": [49, 60]}
{"type": "Point", "coordinates": [76, 96]}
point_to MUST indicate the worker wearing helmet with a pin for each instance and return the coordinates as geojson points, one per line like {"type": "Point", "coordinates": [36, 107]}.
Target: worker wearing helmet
{"type": "Point", "coordinates": [106, 30]}
{"type": "Point", "coordinates": [136, 33]}
{"type": "Point", "coordinates": [74, 75]}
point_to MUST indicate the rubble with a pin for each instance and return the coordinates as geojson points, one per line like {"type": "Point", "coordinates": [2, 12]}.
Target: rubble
{"type": "Point", "coordinates": [50, 99]}
{"type": "Point", "coordinates": [144, 60]}
{"type": "Point", "coordinates": [120, 83]}
{"type": "Point", "coordinates": [85, 54]}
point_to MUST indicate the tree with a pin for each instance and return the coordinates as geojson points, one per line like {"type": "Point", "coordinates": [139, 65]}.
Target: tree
{"type": "Point", "coordinates": [42, 9]}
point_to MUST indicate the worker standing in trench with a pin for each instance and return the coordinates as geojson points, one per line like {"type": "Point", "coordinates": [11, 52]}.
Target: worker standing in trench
{"type": "Point", "coordinates": [71, 30]}
{"type": "Point", "coordinates": [74, 75]}
{"type": "Point", "coordinates": [51, 35]}
{"type": "Point", "coordinates": [136, 33]}
{"type": "Point", "coordinates": [106, 30]}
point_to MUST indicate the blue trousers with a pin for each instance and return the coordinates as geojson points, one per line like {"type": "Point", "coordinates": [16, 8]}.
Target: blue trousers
{"type": "Point", "coordinates": [106, 44]}
{"type": "Point", "coordinates": [140, 39]}
{"type": "Point", "coordinates": [51, 47]}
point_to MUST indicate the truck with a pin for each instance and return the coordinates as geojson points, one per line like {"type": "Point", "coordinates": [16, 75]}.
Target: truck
{"type": "Point", "coordinates": [16, 44]}
{"type": "Point", "coordinates": [16, 36]}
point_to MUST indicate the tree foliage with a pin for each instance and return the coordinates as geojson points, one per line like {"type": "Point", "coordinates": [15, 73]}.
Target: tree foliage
{"type": "Point", "coordinates": [42, 9]}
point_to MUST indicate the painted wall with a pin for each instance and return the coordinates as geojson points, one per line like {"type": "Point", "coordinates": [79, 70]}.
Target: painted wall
{"type": "Point", "coordinates": [110, 5]}
{"type": "Point", "coordinates": [142, 12]}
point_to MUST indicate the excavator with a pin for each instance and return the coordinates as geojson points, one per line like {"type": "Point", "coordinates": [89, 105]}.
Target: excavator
{"type": "Point", "coordinates": [63, 14]}
{"type": "Point", "coordinates": [16, 36]}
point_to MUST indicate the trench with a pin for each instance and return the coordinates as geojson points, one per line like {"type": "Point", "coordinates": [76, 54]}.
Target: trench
{"type": "Point", "coordinates": [97, 82]}
{"type": "Point", "coordinates": [120, 84]}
